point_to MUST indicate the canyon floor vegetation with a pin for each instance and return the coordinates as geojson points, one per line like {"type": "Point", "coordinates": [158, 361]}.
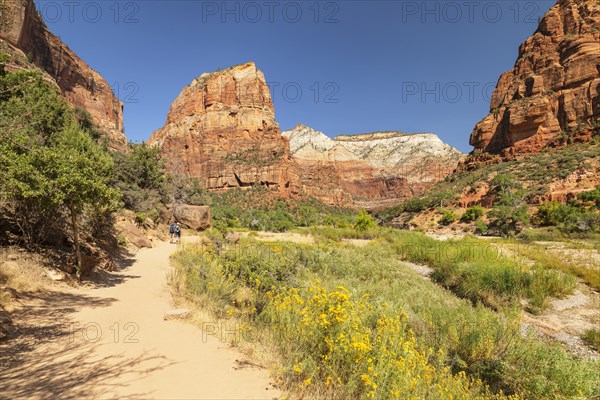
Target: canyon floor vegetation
{"type": "Point", "coordinates": [346, 321]}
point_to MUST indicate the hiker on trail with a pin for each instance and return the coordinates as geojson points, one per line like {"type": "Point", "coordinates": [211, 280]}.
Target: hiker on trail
{"type": "Point", "coordinates": [172, 232]}
{"type": "Point", "coordinates": [177, 232]}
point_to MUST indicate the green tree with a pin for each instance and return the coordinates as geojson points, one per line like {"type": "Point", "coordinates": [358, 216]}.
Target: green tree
{"type": "Point", "coordinates": [140, 176]}
{"type": "Point", "coordinates": [592, 196]}
{"type": "Point", "coordinates": [78, 174]}
{"type": "Point", "coordinates": [364, 222]}
{"type": "Point", "coordinates": [510, 212]}
{"type": "Point", "coordinates": [50, 165]}
{"type": "Point", "coordinates": [503, 183]}
{"type": "Point", "coordinates": [30, 111]}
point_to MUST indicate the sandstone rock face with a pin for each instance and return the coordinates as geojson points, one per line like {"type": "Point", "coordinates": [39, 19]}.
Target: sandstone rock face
{"type": "Point", "coordinates": [553, 89]}
{"type": "Point", "coordinates": [222, 130]}
{"type": "Point", "coordinates": [81, 86]}
{"type": "Point", "coordinates": [196, 217]}
{"type": "Point", "coordinates": [369, 169]}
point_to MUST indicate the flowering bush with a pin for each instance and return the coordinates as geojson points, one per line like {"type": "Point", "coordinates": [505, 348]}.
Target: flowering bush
{"type": "Point", "coordinates": [350, 348]}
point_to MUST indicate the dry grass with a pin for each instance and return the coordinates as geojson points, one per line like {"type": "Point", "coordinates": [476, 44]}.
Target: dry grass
{"type": "Point", "coordinates": [22, 272]}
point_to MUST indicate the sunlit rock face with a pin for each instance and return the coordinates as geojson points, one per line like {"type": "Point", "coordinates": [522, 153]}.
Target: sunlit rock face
{"type": "Point", "coordinates": [554, 87]}
{"type": "Point", "coordinates": [221, 129]}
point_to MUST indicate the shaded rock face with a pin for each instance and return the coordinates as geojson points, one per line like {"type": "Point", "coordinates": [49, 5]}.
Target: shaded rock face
{"type": "Point", "coordinates": [370, 169]}
{"type": "Point", "coordinates": [554, 87]}
{"type": "Point", "coordinates": [81, 86]}
{"type": "Point", "coordinates": [221, 129]}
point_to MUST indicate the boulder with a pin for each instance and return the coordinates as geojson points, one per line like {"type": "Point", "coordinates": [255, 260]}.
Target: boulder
{"type": "Point", "coordinates": [232, 237]}
{"type": "Point", "coordinates": [132, 234]}
{"type": "Point", "coordinates": [195, 217]}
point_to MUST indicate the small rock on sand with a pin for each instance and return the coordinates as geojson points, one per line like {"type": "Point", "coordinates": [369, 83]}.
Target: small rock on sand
{"type": "Point", "coordinates": [177, 313]}
{"type": "Point", "coordinates": [54, 275]}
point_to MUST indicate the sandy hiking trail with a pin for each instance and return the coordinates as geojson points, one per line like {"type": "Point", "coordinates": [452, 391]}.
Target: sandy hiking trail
{"type": "Point", "coordinates": [111, 341]}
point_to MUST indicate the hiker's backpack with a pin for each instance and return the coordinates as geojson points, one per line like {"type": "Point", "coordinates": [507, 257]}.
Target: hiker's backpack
{"type": "Point", "coordinates": [172, 228]}
{"type": "Point", "coordinates": [177, 229]}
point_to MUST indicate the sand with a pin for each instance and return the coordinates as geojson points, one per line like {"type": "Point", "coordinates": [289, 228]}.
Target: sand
{"type": "Point", "coordinates": [110, 341]}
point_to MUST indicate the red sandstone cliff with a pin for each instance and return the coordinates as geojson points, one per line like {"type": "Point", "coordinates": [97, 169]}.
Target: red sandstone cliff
{"type": "Point", "coordinates": [81, 86]}
{"type": "Point", "coordinates": [553, 92]}
{"type": "Point", "coordinates": [221, 129]}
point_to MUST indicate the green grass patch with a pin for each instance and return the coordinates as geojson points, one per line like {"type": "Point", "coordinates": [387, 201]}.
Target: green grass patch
{"type": "Point", "coordinates": [546, 260]}
{"type": "Point", "coordinates": [356, 322]}
{"type": "Point", "coordinates": [471, 268]}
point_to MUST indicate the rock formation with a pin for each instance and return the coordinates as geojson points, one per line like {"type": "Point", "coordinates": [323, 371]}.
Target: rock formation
{"type": "Point", "coordinates": [27, 35]}
{"type": "Point", "coordinates": [221, 129]}
{"type": "Point", "coordinates": [553, 91]}
{"type": "Point", "coordinates": [195, 217]}
{"type": "Point", "coordinates": [372, 169]}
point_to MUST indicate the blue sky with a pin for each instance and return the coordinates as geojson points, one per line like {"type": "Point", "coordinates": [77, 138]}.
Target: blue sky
{"type": "Point", "coordinates": [338, 66]}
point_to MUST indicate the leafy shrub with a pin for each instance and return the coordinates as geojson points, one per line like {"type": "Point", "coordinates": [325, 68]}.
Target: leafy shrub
{"type": "Point", "coordinates": [481, 227]}
{"type": "Point", "coordinates": [141, 178]}
{"type": "Point", "coordinates": [140, 219]}
{"type": "Point", "coordinates": [592, 196]}
{"type": "Point", "coordinates": [548, 214]}
{"type": "Point", "coordinates": [346, 347]}
{"type": "Point", "coordinates": [508, 220]}
{"type": "Point", "coordinates": [220, 225]}
{"type": "Point", "coordinates": [364, 222]}
{"type": "Point", "coordinates": [448, 217]}
{"type": "Point", "coordinates": [121, 240]}
{"type": "Point", "coordinates": [592, 338]}
{"type": "Point", "coordinates": [473, 214]}
{"type": "Point", "coordinates": [339, 221]}
{"type": "Point", "coordinates": [569, 218]}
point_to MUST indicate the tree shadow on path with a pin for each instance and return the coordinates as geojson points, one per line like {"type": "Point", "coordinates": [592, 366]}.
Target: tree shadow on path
{"type": "Point", "coordinates": [43, 360]}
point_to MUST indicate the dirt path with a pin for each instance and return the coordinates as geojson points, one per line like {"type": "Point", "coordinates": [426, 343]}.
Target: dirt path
{"type": "Point", "coordinates": [112, 342]}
